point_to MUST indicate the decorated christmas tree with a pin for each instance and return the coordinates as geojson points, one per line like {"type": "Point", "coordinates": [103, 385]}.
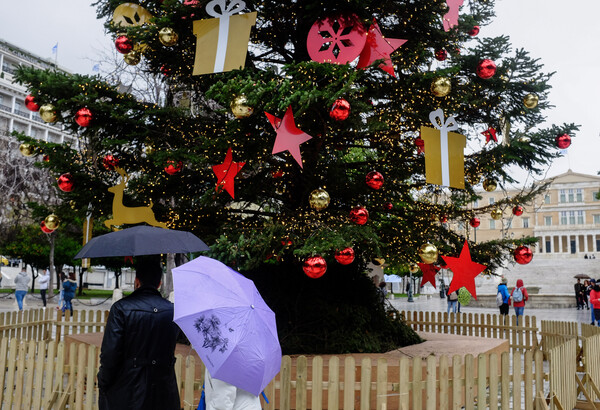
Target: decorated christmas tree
{"type": "Point", "coordinates": [303, 139]}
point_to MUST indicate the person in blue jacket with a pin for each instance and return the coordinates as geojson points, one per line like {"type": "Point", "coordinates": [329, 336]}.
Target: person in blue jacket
{"type": "Point", "coordinates": [69, 287]}
{"type": "Point", "coordinates": [503, 290]}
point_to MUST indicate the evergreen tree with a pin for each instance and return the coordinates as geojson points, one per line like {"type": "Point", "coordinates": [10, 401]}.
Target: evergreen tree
{"type": "Point", "coordinates": [263, 224]}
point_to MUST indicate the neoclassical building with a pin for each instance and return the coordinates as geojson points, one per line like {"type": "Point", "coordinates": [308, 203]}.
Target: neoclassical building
{"type": "Point", "coordinates": [13, 114]}
{"type": "Point", "coordinates": [566, 219]}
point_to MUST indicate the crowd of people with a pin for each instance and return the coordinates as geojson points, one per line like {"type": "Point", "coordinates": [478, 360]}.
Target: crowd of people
{"type": "Point", "coordinates": [67, 289]}
{"type": "Point", "coordinates": [587, 295]}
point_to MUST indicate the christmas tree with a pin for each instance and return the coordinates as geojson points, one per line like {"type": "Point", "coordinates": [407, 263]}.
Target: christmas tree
{"type": "Point", "coordinates": [302, 139]}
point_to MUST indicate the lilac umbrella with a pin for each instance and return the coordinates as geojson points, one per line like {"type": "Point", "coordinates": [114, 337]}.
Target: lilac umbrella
{"type": "Point", "coordinates": [228, 323]}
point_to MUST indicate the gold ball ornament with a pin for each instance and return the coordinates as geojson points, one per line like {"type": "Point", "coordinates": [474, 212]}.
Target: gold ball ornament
{"type": "Point", "coordinates": [168, 37]}
{"type": "Point", "coordinates": [27, 149]}
{"type": "Point", "coordinates": [428, 253]}
{"type": "Point", "coordinates": [132, 58]}
{"type": "Point", "coordinates": [413, 268]}
{"type": "Point", "coordinates": [240, 108]}
{"type": "Point", "coordinates": [531, 101]}
{"type": "Point", "coordinates": [319, 199]}
{"type": "Point", "coordinates": [496, 214]}
{"type": "Point", "coordinates": [48, 113]}
{"type": "Point", "coordinates": [489, 185]}
{"type": "Point", "coordinates": [52, 221]}
{"type": "Point", "coordinates": [441, 86]}
{"type": "Point", "coordinates": [131, 15]}
{"type": "Point", "coordinates": [524, 139]}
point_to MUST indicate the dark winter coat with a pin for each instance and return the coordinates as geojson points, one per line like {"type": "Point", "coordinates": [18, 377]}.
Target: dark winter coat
{"type": "Point", "coordinates": [69, 287]}
{"type": "Point", "coordinates": [137, 357]}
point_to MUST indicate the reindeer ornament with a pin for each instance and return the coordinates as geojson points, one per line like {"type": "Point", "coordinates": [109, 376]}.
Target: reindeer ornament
{"type": "Point", "coordinates": [126, 214]}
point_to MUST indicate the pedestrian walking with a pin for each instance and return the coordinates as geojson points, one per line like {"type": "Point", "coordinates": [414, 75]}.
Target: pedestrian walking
{"type": "Point", "coordinates": [595, 301]}
{"type": "Point", "coordinates": [589, 288]}
{"type": "Point", "coordinates": [453, 302]}
{"type": "Point", "coordinates": [519, 296]}
{"type": "Point", "coordinates": [502, 298]}
{"type": "Point", "coordinates": [21, 286]}
{"type": "Point", "coordinates": [43, 284]}
{"type": "Point", "coordinates": [69, 287]}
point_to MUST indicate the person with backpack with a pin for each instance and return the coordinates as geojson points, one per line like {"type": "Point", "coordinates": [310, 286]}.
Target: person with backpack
{"type": "Point", "coordinates": [519, 296]}
{"type": "Point", "coordinates": [502, 298]}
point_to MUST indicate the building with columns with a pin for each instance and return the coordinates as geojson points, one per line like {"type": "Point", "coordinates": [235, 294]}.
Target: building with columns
{"type": "Point", "coordinates": [566, 219]}
{"type": "Point", "coordinates": [13, 114]}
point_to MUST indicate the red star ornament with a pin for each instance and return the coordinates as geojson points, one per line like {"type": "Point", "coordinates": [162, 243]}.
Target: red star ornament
{"type": "Point", "coordinates": [490, 134]}
{"type": "Point", "coordinates": [429, 272]}
{"type": "Point", "coordinates": [226, 172]}
{"type": "Point", "coordinates": [289, 137]}
{"type": "Point", "coordinates": [378, 47]}
{"type": "Point", "coordinates": [464, 270]}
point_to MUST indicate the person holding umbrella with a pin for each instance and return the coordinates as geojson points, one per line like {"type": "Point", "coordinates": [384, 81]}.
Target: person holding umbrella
{"type": "Point", "coordinates": [137, 357]}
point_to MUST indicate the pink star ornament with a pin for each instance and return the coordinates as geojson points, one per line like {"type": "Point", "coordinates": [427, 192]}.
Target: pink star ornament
{"type": "Point", "coordinates": [451, 17]}
{"type": "Point", "coordinates": [378, 47]}
{"type": "Point", "coordinates": [289, 137]}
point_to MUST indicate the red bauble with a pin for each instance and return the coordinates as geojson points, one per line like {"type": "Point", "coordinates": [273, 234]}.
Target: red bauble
{"type": "Point", "coordinates": [314, 267]}
{"type": "Point", "coordinates": [110, 162]}
{"type": "Point", "coordinates": [340, 110]}
{"type": "Point", "coordinates": [441, 55]}
{"type": "Point", "coordinates": [486, 69]}
{"type": "Point", "coordinates": [359, 215]}
{"type": "Point", "coordinates": [474, 31]}
{"type": "Point", "coordinates": [286, 242]}
{"type": "Point", "coordinates": [517, 210]}
{"type": "Point", "coordinates": [44, 228]}
{"type": "Point", "coordinates": [474, 222]}
{"type": "Point", "coordinates": [123, 44]}
{"type": "Point", "coordinates": [388, 206]}
{"type": "Point", "coordinates": [374, 180]}
{"type": "Point", "coordinates": [84, 117]}
{"type": "Point", "coordinates": [345, 256]}
{"type": "Point", "coordinates": [443, 219]}
{"type": "Point", "coordinates": [523, 255]}
{"type": "Point", "coordinates": [31, 104]}
{"type": "Point", "coordinates": [563, 141]}
{"type": "Point", "coordinates": [46, 158]}
{"type": "Point", "coordinates": [173, 167]}
{"type": "Point", "coordinates": [420, 145]}
{"type": "Point", "coordinates": [65, 182]}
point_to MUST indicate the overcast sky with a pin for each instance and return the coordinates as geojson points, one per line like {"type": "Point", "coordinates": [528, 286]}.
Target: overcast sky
{"type": "Point", "coordinates": [564, 35]}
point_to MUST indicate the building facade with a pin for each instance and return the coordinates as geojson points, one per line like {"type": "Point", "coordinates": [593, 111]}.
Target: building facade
{"type": "Point", "coordinates": [13, 114]}
{"type": "Point", "coordinates": [565, 219]}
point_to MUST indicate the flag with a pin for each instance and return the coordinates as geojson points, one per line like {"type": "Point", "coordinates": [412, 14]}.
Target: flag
{"type": "Point", "coordinates": [55, 49]}
{"type": "Point", "coordinates": [96, 68]}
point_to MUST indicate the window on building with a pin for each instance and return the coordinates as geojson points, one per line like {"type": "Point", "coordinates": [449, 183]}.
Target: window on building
{"type": "Point", "coordinates": [548, 220]}
{"type": "Point", "coordinates": [547, 199]}
{"type": "Point", "coordinates": [596, 219]}
{"type": "Point", "coordinates": [571, 196]}
{"type": "Point", "coordinates": [580, 218]}
{"type": "Point", "coordinates": [571, 217]}
{"type": "Point", "coordinates": [579, 195]}
{"type": "Point", "coordinates": [526, 222]}
{"type": "Point", "coordinates": [562, 196]}
{"type": "Point", "coordinates": [476, 203]}
{"type": "Point", "coordinates": [508, 223]}
{"type": "Point", "coordinates": [564, 218]}
{"type": "Point", "coordinates": [492, 200]}
{"type": "Point", "coordinates": [461, 226]}
{"type": "Point", "coordinates": [492, 224]}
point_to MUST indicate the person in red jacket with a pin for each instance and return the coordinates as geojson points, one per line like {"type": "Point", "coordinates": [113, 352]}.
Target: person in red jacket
{"type": "Point", "coordinates": [518, 297]}
{"type": "Point", "coordinates": [595, 301]}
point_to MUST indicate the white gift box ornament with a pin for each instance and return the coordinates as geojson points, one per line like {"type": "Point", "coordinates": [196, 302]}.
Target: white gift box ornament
{"type": "Point", "coordinates": [444, 152]}
{"type": "Point", "coordinates": [222, 42]}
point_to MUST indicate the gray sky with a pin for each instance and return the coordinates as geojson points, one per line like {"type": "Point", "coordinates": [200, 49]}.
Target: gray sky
{"type": "Point", "coordinates": [563, 35]}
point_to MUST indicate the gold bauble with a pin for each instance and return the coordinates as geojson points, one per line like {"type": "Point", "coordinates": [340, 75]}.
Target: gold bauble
{"type": "Point", "coordinates": [524, 139]}
{"type": "Point", "coordinates": [131, 15]}
{"type": "Point", "coordinates": [530, 101]}
{"type": "Point", "coordinates": [489, 185]}
{"type": "Point", "coordinates": [496, 214]}
{"type": "Point", "coordinates": [52, 221]}
{"type": "Point", "coordinates": [240, 108]}
{"type": "Point", "coordinates": [413, 268]}
{"type": "Point", "coordinates": [441, 86]}
{"type": "Point", "coordinates": [319, 199]}
{"type": "Point", "coordinates": [167, 36]}
{"type": "Point", "coordinates": [48, 113]}
{"type": "Point", "coordinates": [132, 58]}
{"type": "Point", "coordinates": [428, 253]}
{"type": "Point", "coordinates": [27, 149]}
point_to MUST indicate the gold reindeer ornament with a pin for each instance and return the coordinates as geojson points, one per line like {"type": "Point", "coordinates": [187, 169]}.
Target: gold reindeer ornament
{"type": "Point", "coordinates": [129, 214]}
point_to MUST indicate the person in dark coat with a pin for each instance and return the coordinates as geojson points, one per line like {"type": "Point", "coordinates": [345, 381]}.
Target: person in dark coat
{"type": "Point", "coordinates": [69, 287]}
{"type": "Point", "coordinates": [138, 349]}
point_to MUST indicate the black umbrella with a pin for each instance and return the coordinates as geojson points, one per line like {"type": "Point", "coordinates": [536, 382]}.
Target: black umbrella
{"type": "Point", "coordinates": [581, 276]}
{"type": "Point", "coordinates": [141, 240]}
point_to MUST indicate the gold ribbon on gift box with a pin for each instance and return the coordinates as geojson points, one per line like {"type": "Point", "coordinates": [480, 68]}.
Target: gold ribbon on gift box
{"type": "Point", "coordinates": [444, 152]}
{"type": "Point", "coordinates": [222, 42]}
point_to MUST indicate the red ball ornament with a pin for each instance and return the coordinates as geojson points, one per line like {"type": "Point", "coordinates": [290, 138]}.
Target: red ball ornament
{"type": "Point", "coordinates": [31, 104]}
{"type": "Point", "coordinates": [46, 158]}
{"type": "Point", "coordinates": [45, 229]}
{"type": "Point", "coordinates": [474, 31]}
{"type": "Point", "coordinates": [286, 242]}
{"type": "Point", "coordinates": [345, 256]}
{"type": "Point", "coordinates": [474, 222]}
{"type": "Point", "coordinates": [314, 267]}
{"type": "Point", "coordinates": [517, 210]}
{"type": "Point", "coordinates": [123, 44]}
{"type": "Point", "coordinates": [523, 255]}
{"type": "Point", "coordinates": [443, 219]}
{"type": "Point", "coordinates": [110, 162]}
{"type": "Point", "coordinates": [173, 167]}
{"type": "Point", "coordinates": [374, 180]}
{"type": "Point", "coordinates": [359, 215]}
{"type": "Point", "coordinates": [388, 206]}
{"type": "Point", "coordinates": [65, 182]}
{"type": "Point", "coordinates": [83, 117]}
{"type": "Point", "coordinates": [340, 110]}
{"type": "Point", "coordinates": [441, 55]}
{"type": "Point", "coordinates": [486, 69]}
{"type": "Point", "coordinates": [563, 141]}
